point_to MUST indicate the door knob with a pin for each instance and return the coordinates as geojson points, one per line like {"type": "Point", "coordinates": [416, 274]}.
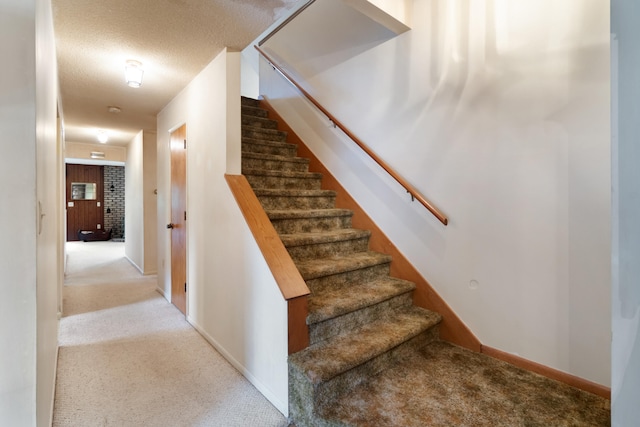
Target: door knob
{"type": "Point", "coordinates": [170, 225]}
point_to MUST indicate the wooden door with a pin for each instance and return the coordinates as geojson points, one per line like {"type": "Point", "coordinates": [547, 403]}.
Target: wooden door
{"type": "Point", "coordinates": [179, 218]}
{"type": "Point", "coordinates": [85, 210]}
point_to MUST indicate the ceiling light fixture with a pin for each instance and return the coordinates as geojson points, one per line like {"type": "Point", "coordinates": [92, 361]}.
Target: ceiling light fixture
{"type": "Point", "coordinates": [113, 109]}
{"type": "Point", "coordinates": [133, 73]}
{"type": "Point", "coordinates": [103, 137]}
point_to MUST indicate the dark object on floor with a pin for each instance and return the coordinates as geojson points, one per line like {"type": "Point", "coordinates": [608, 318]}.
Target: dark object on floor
{"type": "Point", "coordinates": [94, 235]}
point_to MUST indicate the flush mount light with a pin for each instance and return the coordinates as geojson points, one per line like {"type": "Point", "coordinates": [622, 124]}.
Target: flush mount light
{"type": "Point", "coordinates": [103, 137]}
{"type": "Point", "coordinates": [113, 109]}
{"type": "Point", "coordinates": [133, 73]}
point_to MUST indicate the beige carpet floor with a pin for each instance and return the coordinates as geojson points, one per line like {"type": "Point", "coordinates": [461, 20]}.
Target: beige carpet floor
{"type": "Point", "coordinates": [129, 358]}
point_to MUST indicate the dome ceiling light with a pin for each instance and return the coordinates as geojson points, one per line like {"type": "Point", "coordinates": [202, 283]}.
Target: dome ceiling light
{"type": "Point", "coordinates": [133, 73]}
{"type": "Point", "coordinates": [103, 137]}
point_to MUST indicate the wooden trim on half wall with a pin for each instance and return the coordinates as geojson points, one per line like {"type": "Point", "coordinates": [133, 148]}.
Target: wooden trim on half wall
{"type": "Point", "coordinates": [292, 286]}
{"type": "Point", "coordinates": [554, 374]}
{"type": "Point", "coordinates": [298, 333]}
{"type": "Point", "coordinates": [291, 283]}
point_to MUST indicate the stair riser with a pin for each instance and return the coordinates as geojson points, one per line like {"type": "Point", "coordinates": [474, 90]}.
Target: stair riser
{"type": "Point", "coordinates": [301, 410]}
{"type": "Point", "coordinates": [303, 395]}
{"type": "Point", "coordinates": [253, 147]}
{"type": "Point", "coordinates": [340, 280]}
{"type": "Point", "coordinates": [249, 102]}
{"type": "Point", "coordinates": [297, 202]}
{"type": "Point", "coordinates": [322, 250]}
{"type": "Point", "coordinates": [259, 122]}
{"type": "Point", "coordinates": [351, 321]}
{"type": "Point", "coordinates": [274, 165]}
{"type": "Point", "coordinates": [308, 225]}
{"type": "Point", "coordinates": [327, 392]}
{"type": "Point", "coordinates": [255, 112]}
{"type": "Point", "coordinates": [250, 110]}
{"type": "Point", "coordinates": [264, 135]}
{"type": "Point", "coordinates": [278, 150]}
{"type": "Point", "coordinates": [283, 183]}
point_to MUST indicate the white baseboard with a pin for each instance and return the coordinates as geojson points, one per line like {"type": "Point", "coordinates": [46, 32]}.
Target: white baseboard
{"type": "Point", "coordinates": [281, 406]}
{"type": "Point", "coordinates": [135, 265]}
{"type": "Point", "coordinates": [161, 292]}
{"type": "Point", "coordinates": [55, 380]}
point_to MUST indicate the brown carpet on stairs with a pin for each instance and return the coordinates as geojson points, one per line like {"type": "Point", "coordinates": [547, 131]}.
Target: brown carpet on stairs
{"type": "Point", "coordinates": [375, 359]}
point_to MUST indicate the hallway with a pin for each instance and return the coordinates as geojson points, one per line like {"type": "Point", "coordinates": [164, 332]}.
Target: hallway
{"type": "Point", "coordinates": [127, 357]}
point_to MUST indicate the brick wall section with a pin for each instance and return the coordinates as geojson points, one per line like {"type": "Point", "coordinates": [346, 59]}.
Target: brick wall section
{"type": "Point", "coordinates": [114, 200]}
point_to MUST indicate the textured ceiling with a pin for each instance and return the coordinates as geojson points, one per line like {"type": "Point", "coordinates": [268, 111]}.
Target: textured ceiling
{"type": "Point", "coordinates": [173, 39]}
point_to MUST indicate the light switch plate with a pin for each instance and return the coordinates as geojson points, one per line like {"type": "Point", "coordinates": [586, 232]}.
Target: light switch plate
{"type": "Point", "coordinates": [98, 204]}
{"type": "Point", "coordinates": [70, 204]}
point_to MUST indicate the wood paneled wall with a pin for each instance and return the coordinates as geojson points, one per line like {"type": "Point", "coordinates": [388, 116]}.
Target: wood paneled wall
{"type": "Point", "coordinates": [84, 214]}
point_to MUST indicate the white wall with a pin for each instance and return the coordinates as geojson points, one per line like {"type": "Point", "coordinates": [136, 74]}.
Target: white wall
{"type": "Point", "coordinates": [29, 169]}
{"type": "Point", "coordinates": [18, 246]}
{"type": "Point", "coordinates": [50, 200]}
{"type": "Point", "coordinates": [79, 150]}
{"type": "Point", "coordinates": [232, 298]}
{"type": "Point", "coordinates": [249, 71]}
{"type": "Point", "coordinates": [134, 203]}
{"type": "Point", "coordinates": [498, 112]}
{"type": "Point", "coordinates": [625, 86]}
{"type": "Point", "coordinates": [150, 202]}
{"type": "Point", "coordinates": [140, 216]}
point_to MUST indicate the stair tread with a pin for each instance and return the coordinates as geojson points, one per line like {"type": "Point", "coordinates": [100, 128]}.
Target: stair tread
{"type": "Point", "coordinates": [245, 100]}
{"type": "Point", "coordinates": [314, 268]}
{"type": "Point", "coordinates": [250, 111]}
{"type": "Point", "coordinates": [281, 173]}
{"type": "Point", "coordinates": [268, 142]}
{"type": "Point", "coordinates": [293, 193]}
{"type": "Point", "coordinates": [331, 302]}
{"type": "Point", "coordinates": [328, 359]}
{"type": "Point", "coordinates": [298, 239]}
{"type": "Point", "coordinates": [258, 122]}
{"type": "Point", "coordinates": [263, 130]}
{"type": "Point", "coordinates": [307, 213]}
{"type": "Point", "coordinates": [274, 157]}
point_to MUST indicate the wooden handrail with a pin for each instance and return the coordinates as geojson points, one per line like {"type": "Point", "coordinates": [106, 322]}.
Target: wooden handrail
{"type": "Point", "coordinates": [410, 189]}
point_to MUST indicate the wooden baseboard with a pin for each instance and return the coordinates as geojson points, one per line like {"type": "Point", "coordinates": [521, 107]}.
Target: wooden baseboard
{"type": "Point", "coordinates": [554, 374]}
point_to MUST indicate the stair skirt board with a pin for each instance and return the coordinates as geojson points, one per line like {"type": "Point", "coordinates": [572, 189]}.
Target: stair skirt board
{"type": "Point", "coordinates": [452, 328]}
{"type": "Point", "coordinates": [369, 310]}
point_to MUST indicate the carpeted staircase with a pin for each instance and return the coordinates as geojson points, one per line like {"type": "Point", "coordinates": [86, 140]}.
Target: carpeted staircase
{"type": "Point", "coordinates": [363, 326]}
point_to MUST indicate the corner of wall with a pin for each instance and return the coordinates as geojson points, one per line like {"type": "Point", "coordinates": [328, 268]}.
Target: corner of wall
{"type": "Point", "coordinates": [134, 212]}
{"type": "Point", "coordinates": [150, 214]}
{"type": "Point", "coordinates": [233, 112]}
